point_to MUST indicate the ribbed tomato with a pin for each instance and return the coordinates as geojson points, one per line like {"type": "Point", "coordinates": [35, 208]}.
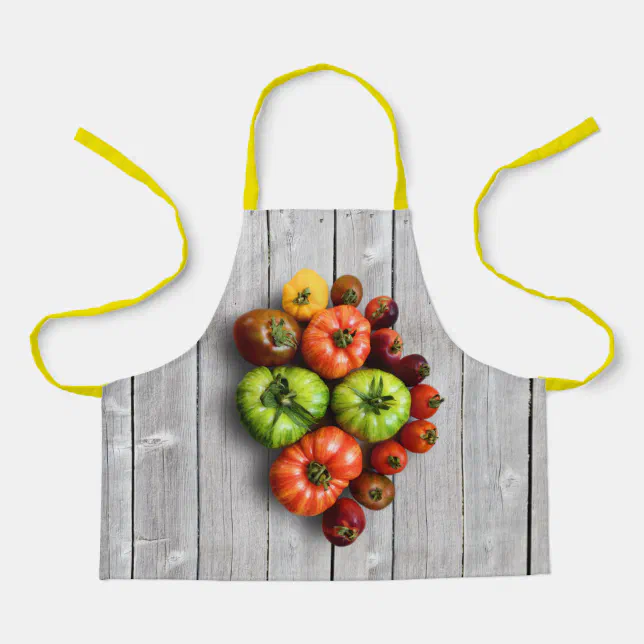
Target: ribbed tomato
{"type": "Point", "coordinates": [308, 477]}
{"type": "Point", "coordinates": [336, 341]}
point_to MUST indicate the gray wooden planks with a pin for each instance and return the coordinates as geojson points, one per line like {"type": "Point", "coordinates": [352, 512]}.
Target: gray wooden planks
{"type": "Point", "coordinates": [540, 542]}
{"type": "Point", "coordinates": [233, 468]}
{"type": "Point", "coordinates": [428, 519]}
{"type": "Point", "coordinates": [198, 502]}
{"type": "Point", "coordinates": [116, 512]}
{"type": "Point", "coordinates": [298, 239]}
{"type": "Point", "coordinates": [496, 411]}
{"type": "Point", "coordinates": [364, 248]}
{"type": "Point", "coordinates": [165, 472]}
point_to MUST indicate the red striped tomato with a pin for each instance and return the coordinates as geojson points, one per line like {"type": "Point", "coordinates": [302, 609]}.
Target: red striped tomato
{"type": "Point", "coordinates": [308, 477]}
{"type": "Point", "coordinates": [336, 341]}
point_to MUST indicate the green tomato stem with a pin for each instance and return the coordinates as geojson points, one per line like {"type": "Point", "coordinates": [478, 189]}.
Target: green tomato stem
{"type": "Point", "coordinates": [318, 474]}
{"type": "Point", "coordinates": [430, 436]}
{"type": "Point", "coordinates": [348, 533]}
{"type": "Point", "coordinates": [436, 402]}
{"type": "Point", "coordinates": [349, 297]}
{"type": "Point", "coordinates": [343, 338]}
{"type": "Point", "coordinates": [302, 296]}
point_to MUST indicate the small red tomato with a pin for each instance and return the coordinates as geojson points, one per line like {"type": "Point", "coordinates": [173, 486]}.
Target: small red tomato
{"type": "Point", "coordinates": [374, 491]}
{"type": "Point", "coordinates": [386, 349]}
{"type": "Point", "coordinates": [382, 312]}
{"type": "Point", "coordinates": [346, 290]}
{"type": "Point", "coordinates": [419, 436]}
{"type": "Point", "coordinates": [389, 457]}
{"type": "Point", "coordinates": [412, 369]}
{"type": "Point", "coordinates": [344, 522]}
{"type": "Point", "coordinates": [425, 401]}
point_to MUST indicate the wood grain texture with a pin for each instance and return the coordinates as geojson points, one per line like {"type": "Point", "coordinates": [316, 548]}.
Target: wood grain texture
{"type": "Point", "coordinates": [364, 248]}
{"type": "Point", "coordinates": [298, 239]}
{"type": "Point", "coordinates": [233, 468]}
{"type": "Point", "coordinates": [495, 468]}
{"type": "Point", "coordinates": [539, 537]}
{"type": "Point", "coordinates": [185, 488]}
{"type": "Point", "coordinates": [165, 472]}
{"type": "Point", "coordinates": [116, 511]}
{"type": "Point", "coordinates": [428, 517]}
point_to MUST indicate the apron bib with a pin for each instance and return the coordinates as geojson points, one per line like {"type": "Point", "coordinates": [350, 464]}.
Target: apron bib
{"type": "Point", "coordinates": [186, 490]}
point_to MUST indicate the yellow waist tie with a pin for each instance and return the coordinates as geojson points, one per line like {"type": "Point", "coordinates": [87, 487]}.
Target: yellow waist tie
{"type": "Point", "coordinates": [123, 163]}
{"type": "Point", "coordinates": [577, 134]}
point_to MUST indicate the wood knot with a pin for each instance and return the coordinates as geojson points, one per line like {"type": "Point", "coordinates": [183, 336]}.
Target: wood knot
{"type": "Point", "coordinates": [509, 481]}
{"type": "Point", "coordinates": [155, 441]}
{"type": "Point", "coordinates": [369, 255]}
{"type": "Point", "coordinates": [175, 557]}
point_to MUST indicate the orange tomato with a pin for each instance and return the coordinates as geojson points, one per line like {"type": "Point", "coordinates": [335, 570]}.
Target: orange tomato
{"type": "Point", "coordinates": [336, 341]}
{"type": "Point", "coordinates": [308, 477]}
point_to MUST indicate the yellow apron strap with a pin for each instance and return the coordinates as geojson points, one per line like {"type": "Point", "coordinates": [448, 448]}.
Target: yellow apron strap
{"type": "Point", "coordinates": [115, 157]}
{"type": "Point", "coordinates": [577, 134]}
{"type": "Point", "coordinates": [251, 189]}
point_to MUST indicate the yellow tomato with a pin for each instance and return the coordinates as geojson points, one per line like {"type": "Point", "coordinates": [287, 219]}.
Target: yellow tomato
{"type": "Point", "coordinates": [305, 295]}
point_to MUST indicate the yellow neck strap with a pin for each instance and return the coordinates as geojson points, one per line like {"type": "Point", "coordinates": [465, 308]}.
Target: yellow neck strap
{"type": "Point", "coordinates": [122, 163]}
{"type": "Point", "coordinates": [251, 189]}
{"type": "Point", "coordinates": [577, 134]}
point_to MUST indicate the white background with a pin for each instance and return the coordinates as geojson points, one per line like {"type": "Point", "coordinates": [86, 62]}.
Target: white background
{"type": "Point", "coordinates": [173, 86]}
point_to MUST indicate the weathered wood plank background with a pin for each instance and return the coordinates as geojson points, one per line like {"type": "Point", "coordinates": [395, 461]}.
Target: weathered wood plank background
{"type": "Point", "coordinates": [185, 488]}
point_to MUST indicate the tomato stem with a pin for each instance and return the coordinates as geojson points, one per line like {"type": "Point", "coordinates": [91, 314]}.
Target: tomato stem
{"type": "Point", "coordinates": [343, 338]}
{"type": "Point", "coordinates": [435, 402]}
{"type": "Point", "coordinates": [423, 370]}
{"type": "Point", "coordinates": [302, 296]}
{"type": "Point", "coordinates": [430, 436]}
{"type": "Point", "coordinates": [394, 462]}
{"type": "Point", "coordinates": [318, 474]}
{"type": "Point", "coordinates": [282, 336]}
{"type": "Point", "coordinates": [381, 310]}
{"type": "Point", "coordinates": [375, 494]}
{"type": "Point", "coordinates": [397, 346]}
{"type": "Point", "coordinates": [348, 533]}
{"type": "Point", "coordinates": [349, 297]}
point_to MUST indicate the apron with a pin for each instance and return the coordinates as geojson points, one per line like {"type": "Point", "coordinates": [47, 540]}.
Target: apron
{"type": "Point", "coordinates": [187, 493]}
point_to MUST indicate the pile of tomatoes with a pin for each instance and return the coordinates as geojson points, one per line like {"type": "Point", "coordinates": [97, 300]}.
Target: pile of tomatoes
{"type": "Point", "coordinates": [374, 392]}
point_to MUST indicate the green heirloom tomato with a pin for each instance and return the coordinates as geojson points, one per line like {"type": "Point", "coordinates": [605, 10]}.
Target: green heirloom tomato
{"type": "Point", "coordinates": [371, 405]}
{"type": "Point", "coordinates": [278, 408]}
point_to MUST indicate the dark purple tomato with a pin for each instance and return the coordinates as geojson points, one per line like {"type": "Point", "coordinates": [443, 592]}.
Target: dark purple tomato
{"type": "Point", "coordinates": [343, 522]}
{"type": "Point", "coordinates": [386, 349]}
{"type": "Point", "coordinates": [412, 369]}
{"type": "Point", "coordinates": [382, 312]}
